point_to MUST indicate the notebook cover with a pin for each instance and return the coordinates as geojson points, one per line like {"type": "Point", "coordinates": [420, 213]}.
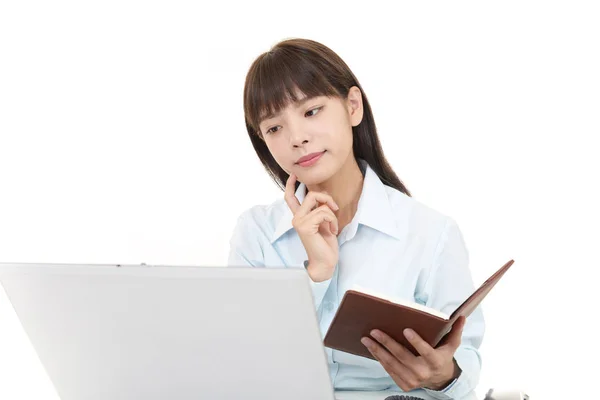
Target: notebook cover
{"type": "Point", "coordinates": [359, 313]}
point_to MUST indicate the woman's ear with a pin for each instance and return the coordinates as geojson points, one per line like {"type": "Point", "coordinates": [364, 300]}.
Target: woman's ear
{"type": "Point", "coordinates": [259, 134]}
{"type": "Point", "coordinates": [355, 105]}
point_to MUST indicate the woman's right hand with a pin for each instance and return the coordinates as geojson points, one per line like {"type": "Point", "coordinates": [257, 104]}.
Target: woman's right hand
{"type": "Point", "coordinates": [317, 227]}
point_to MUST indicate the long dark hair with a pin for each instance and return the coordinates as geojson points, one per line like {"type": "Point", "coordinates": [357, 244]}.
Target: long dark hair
{"type": "Point", "coordinates": [314, 70]}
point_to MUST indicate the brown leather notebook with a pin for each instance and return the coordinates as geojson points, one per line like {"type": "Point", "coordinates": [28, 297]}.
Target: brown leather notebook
{"type": "Point", "coordinates": [359, 313]}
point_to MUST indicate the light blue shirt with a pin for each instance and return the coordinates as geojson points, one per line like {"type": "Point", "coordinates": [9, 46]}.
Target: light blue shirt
{"type": "Point", "coordinates": [395, 246]}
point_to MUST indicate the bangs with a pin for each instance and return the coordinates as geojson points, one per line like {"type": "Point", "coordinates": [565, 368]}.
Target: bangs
{"type": "Point", "coordinates": [278, 78]}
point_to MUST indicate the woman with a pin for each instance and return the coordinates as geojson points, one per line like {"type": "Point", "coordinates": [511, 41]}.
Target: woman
{"type": "Point", "coordinates": [348, 219]}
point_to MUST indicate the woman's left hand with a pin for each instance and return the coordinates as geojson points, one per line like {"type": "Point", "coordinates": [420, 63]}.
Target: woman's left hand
{"type": "Point", "coordinates": [432, 369]}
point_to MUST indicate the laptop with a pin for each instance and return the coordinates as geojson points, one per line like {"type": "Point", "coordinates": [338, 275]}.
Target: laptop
{"type": "Point", "coordinates": [124, 332]}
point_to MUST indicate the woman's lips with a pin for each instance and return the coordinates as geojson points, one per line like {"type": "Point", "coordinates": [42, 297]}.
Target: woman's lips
{"type": "Point", "coordinates": [310, 159]}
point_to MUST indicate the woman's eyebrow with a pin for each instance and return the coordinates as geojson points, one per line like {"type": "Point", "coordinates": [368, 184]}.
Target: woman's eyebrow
{"type": "Point", "coordinates": [297, 104]}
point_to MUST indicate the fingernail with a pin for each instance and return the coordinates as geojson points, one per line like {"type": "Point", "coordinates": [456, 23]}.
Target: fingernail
{"type": "Point", "coordinates": [409, 333]}
{"type": "Point", "coordinates": [365, 341]}
{"type": "Point", "coordinates": [376, 335]}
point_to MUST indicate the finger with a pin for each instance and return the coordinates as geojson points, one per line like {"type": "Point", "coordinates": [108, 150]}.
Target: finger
{"type": "Point", "coordinates": [323, 214]}
{"type": "Point", "coordinates": [333, 222]}
{"type": "Point", "coordinates": [403, 382]}
{"type": "Point", "coordinates": [387, 360]}
{"type": "Point", "coordinates": [417, 369]}
{"type": "Point", "coordinates": [290, 194]}
{"type": "Point", "coordinates": [312, 200]}
{"type": "Point", "coordinates": [399, 351]}
{"type": "Point", "coordinates": [422, 347]}
{"type": "Point", "coordinates": [406, 382]}
{"type": "Point", "coordinates": [333, 228]}
{"type": "Point", "coordinates": [454, 338]}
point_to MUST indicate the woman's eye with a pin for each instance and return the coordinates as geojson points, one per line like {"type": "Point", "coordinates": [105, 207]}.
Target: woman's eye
{"type": "Point", "coordinates": [271, 130]}
{"type": "Point", "coordinates": [314, 109]}
{"type": "Point", "coordinates": [310, 113]}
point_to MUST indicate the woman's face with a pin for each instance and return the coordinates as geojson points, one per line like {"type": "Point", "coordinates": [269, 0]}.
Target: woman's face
{"type": "Point", "coordinates": [319, 128]}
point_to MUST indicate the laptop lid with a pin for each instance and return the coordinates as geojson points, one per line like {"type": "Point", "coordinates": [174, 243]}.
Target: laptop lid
{"type": "Point", "coordinates": [157, 332]}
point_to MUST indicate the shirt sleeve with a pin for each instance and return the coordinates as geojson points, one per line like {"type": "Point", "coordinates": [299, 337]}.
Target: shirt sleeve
{"type": "Point", "coordinates": [319, 289]}
{"type": "Point", "coordinates": [448, 285]}
{"type": "Point", "coordinates": [245, 250]}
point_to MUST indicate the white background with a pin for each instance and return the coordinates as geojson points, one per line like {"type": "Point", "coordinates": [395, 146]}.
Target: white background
{"type": "Point", "coordinates": [122, 141]}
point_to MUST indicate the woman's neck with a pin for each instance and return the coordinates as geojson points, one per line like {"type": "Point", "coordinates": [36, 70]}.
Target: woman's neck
{"type": "Point", "coordinates": [345, 188]}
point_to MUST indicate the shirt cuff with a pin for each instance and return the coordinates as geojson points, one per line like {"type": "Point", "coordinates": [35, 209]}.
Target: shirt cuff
{"type": "Point", "coordinates": [454, 390]}
{"type": "Point", "coordinates": [318, 289]}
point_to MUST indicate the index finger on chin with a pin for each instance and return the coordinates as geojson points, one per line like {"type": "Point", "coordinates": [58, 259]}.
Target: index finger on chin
{"type": "Point", "coordinates": [290, 194]}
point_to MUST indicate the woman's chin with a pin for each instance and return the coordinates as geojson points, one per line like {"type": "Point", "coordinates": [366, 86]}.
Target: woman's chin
{"type": "Point", "coordinates": [313, 177]}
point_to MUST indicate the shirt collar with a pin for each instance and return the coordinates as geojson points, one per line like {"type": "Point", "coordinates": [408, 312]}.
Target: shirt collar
{"type": "Point", "coordinates": [374, 208]}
